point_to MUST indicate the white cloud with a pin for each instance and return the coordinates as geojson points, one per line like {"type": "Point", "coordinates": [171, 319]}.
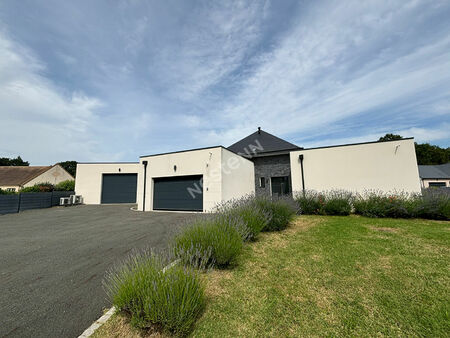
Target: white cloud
{"type": "Point", "coordinates": [40, 121]}
{"type": "Point", "coordinates": [213, 41]}
{"type": "Point", "coordinates": [313, 80]}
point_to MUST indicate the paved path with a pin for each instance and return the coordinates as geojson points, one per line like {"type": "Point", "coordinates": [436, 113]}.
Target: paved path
{"type": "Point", "coordinates": [52, 263]}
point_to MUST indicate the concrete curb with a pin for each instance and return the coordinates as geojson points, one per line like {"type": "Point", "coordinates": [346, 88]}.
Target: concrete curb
{"type": "Point", "coordinates": [99, 322]}
{"type": "Point", "coordinates": [103, 319]}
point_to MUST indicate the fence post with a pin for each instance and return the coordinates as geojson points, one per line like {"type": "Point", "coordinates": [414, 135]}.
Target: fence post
{"type": "Point", "coordinates": [18, 204]}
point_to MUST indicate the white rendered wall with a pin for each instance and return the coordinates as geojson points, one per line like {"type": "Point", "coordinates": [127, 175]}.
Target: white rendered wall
{"type": "Point", "coordinates": [210, 162]}
{"type": "Point", "coordinates": [88, 182]}
{"type": "Point", "coordinates": [238, 176]}
{"type": "Point", "coordinates": [206, 162]}
{"type": "Point", "coordinates": [386, 166]}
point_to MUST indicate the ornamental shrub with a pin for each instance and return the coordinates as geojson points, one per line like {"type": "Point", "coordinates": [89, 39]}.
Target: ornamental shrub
{"type": "Point", "coordinates": [337, 203]}
{"type": "Point", "coordinates": [310, 202]}
{"type": "Point", "coordinates": [170, 298]}
{"type": "Point", "coordinates": [281, 210]}
{"type": "Point", "coordinates": [213, 241]}
{"type": "Point", "coordinates": [68, 185]}
{"type": "Point", "coordinates": [434, 204]}
{"type": "Point", "coordinates": [39, 187]}
{"type": "Point", "coordinates": [334, 202]}
{"type": "Point", "coordinates": [252, 215]}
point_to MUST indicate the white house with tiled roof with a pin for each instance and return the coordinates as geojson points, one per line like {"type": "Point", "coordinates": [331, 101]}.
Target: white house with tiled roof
{"type": "Point", "coordinates": [14, 178]}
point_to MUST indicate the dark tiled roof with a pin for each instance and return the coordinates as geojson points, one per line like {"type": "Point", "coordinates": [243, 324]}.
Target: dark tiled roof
{"type": "Point", "coordinates": [261, 142]}
{"type": "Point", "coordinates": [435, 171]}
{"type": "Point", "coordinates": [11, 175]}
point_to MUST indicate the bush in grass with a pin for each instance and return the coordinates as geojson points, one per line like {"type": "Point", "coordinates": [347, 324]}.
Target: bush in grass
{"type": "Point", "coordinates": [310, 202]}
{"type": "Point", "coordinates": [434, 204]}
{"type": "Point", "coordinates": [213, 241]}
{"type": "Point", "coordinates": [337, 203]}
{"type": "Point", "coordinates": [68, 185]}
{"type": "Point", "coordinates": [253, 216]}
{"type": "Point", "coordinates": [379, 204]}
{"type": "Point", "coordinates": [431, 204]}
{"type": "Point", "coordinates": [334, 202]}
{"type": "Point", "coordinates": [281, 209]}
{"type": "Point", "coordinates": [170, 299]}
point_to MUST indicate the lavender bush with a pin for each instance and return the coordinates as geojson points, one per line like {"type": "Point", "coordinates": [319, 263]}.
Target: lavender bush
{"type": "Point", "coordinates": [281, 210]}
{"type": "Point", "coordinates": [431, 204]}
{"type": "Point", "coordinates": [172, 298]}
{"type": "Point", "coordinates": [252, 215]}
{"type": "Point", "coordinates": [333, 202]}
{"type": "Point", "coordinates": [213, 241]}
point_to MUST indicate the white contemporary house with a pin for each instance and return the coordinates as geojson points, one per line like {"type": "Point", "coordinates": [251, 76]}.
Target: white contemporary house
{"type": "Point", "coordinates": [261, 163]}
{"type": "Point", "coordinates": [191, 180]}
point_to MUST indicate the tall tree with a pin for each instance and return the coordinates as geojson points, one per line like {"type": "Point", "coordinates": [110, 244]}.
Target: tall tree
{"type": "Point", "coordinates": [430, 154]}
{"type": "Point", "coordinates": [5, 161]}
{"type": "Point", "coordinates": [426, 153]}
{"type": "Point", "coordinates": [70, 167]}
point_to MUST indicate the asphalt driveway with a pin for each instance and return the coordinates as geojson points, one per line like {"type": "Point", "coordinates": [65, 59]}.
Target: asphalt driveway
{"type": "Point", "coordinates": [52, 262]}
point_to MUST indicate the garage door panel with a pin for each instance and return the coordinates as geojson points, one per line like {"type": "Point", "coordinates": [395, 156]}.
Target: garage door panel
{"type": "Point", "coordinates": [119, 188]}
{"type": "Point", "coordinates": [172, 193]}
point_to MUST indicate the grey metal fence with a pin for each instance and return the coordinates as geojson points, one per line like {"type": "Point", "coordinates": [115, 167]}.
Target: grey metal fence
{"type": "Point", "coordinates": [31, 200]}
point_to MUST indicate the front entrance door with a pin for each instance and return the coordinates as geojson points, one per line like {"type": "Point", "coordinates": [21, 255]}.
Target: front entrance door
{"type": "Point", "coordinates": [280, 185]}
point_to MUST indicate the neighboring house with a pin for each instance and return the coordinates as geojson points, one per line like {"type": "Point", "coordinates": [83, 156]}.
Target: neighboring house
{"type": "Point", "coordinates": [435, 175]}
{"type": "Point", "coordinates": [14, 178]}
{"type": "Point", "coordinates": [261, 163]}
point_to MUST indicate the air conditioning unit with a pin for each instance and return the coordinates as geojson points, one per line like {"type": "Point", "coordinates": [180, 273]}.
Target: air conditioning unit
{"type": "Point", "coordinates": [76, 199]}
{"type": "Point", "coordinates": [65, 201]}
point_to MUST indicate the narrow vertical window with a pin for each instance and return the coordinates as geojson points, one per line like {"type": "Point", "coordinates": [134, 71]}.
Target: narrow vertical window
{"type": "Point", "coordinates": [262, 182]}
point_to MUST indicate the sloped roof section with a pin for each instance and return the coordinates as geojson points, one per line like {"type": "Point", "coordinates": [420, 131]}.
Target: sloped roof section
{"type": "Point", "coordinates": [261, 142]}
{"type": "Point", "coordinates": [11, 175]}
{"type": "Point", "coordinates": [435, 171]}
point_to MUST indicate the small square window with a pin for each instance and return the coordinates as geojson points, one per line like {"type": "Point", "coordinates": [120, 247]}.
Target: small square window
{"type": "Point", "coordinates": [10, 189]}
{"type": "Point", "coordinates": [262, 182]}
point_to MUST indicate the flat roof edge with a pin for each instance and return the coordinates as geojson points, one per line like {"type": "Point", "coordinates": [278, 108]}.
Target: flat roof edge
{"type": "Point", "coordinates": [355, 144]}
{"type": "Point", "coordinates": [107, 162]}
{"type": "Point", "coordinates": [182, 151]}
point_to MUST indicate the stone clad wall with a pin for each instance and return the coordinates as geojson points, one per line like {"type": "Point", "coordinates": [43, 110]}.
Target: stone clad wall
{"type": "Point", "coordinates": [270, 166]}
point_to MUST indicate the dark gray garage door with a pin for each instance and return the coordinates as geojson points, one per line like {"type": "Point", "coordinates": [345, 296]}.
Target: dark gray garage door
{"type": "Point", "coordinates": [119, 188]}
{"type": "Point", "coordinates": [183, 193]}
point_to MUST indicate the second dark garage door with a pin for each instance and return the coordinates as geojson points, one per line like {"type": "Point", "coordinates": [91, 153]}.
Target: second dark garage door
{"type": "Point", "coordinates": [184, 193]}
{"type": "Point", "coordinates": [119, 188]}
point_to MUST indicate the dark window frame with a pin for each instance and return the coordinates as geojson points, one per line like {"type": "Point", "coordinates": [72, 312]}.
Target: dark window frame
{"type": "Point", "coordinates": [437, 184]}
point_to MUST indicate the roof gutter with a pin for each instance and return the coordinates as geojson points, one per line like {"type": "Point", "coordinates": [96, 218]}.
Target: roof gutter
{"type": "Point", "coordinates": [145, 183]}
{"type": "Point", "coordinates": [300, 157]}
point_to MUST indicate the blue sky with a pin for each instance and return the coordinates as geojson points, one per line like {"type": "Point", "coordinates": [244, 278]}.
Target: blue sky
{"type": "Point", "coordinates": [112, 80]}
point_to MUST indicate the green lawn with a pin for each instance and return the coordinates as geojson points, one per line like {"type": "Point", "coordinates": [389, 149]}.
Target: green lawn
{"type": "Point", "coordinates": [336, 276]}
